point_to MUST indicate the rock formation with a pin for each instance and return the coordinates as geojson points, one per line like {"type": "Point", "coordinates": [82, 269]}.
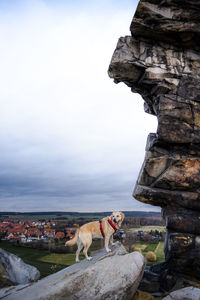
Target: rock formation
{"type": "Point", "coordinates": [15, 270]}
{"type": "Point", "coordinates": [161, 62]}
{"type": "Point", "coordinates": [113, 275]}
{"type": "Point", "coordinates": [188, 293]}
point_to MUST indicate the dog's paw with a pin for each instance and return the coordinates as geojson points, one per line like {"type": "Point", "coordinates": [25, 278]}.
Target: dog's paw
{"type": "Point", "coordinates": [89, 257]}
{"type": "Point", "coordinates": [77, 260]}
{"type": "Point", "coordinates": [113, 244]}
{"type": "Point", "coordinates": [108, 250]}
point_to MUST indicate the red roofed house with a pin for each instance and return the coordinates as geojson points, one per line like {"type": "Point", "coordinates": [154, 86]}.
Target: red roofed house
{"type": "Point", "coordinates": [50, 233]}
{"type": "Point", "coordinates": [14, 238]}
{"type": "Point", "coordinates": [3, 225]}
{"type": "Point", "coordinates": [3, 231]}
{"type": "Point", "coordinates": [33, 232]}
{"type": "Point", "coordinates": [69, 234]}
{"type": "Point", "coordinates": [16, 231]}
{"type": "Point", "coordinates": [59, 235]}
{"type": "Point", "coordinates": [70, 231]}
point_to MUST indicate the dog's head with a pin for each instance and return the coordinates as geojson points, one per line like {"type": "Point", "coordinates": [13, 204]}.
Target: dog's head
{"type": "Point", "coordinates": [117, 217]}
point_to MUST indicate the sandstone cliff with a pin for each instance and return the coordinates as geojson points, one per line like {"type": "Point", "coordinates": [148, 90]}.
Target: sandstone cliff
{"type": "Point", "coordinates": [161, 61]}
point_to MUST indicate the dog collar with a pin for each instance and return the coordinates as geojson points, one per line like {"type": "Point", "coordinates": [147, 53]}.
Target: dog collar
{"type": "Point", "coordinates": [113, 226]}
{"type": "Point", "coordinates": [101, 228]}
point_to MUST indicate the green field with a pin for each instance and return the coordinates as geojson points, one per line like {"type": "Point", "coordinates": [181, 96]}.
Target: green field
{"type": "Point", "coordinates": [37, 258]}
{"type": "Point", "coordinates": [71, 215]}
{"type": "Point", "coordinates": [48, 263]}
{"type": "Point", "coordinates": [149, 228]}
{"type": "Point", "coordinates": [157, 248]}
{"type": "Point", "coordinates": [52, 217]}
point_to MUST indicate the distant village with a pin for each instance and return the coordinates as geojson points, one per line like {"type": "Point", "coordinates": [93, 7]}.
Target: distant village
{"type": "Point", "coordinates": [50, 233]}
{"type": "Point", "coordinates": [29, 231]}
{"type": "Point", "coordinates": [32, 231]}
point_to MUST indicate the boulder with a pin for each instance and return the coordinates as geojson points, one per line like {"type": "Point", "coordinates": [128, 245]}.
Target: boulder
{"type": "Point", "coordinates": [15, 270]}
{"type": "Point", "coordinates": [188, 293]}
{"type": "Point", "coordinates": [113, 275]}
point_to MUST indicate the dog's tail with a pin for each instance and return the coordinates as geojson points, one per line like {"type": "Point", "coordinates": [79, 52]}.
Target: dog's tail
{"type": "Point", "coordinates": [74, 240]}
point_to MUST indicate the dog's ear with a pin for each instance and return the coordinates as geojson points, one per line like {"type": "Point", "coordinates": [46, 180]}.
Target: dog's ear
{"type": "Point", "coordinates": [122, 217]}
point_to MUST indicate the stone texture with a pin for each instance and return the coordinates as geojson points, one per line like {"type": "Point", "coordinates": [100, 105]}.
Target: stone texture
{"type": "Point", "coordinates": [15, 270]}
{"type": "Point", "coordinates": [113, 275]}
{"type": "Point", "coordinates": [160, 60]}
{"type": "Point", "coordinates": [188, 293]}
{"type": "Point", "coordinates": [159, 280]}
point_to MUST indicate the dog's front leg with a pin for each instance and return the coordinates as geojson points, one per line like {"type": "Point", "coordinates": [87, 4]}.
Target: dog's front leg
{"type": "Point", "coordinates": [111, 240]}
{"type": "Point", "coordinates": [107, 238]}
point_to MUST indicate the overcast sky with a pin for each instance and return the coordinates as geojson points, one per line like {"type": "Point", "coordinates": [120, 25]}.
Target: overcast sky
{"type": "Point", "coordinates": [71, 139]}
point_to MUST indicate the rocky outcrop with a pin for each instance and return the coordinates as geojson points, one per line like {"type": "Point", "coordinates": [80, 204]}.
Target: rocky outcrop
{"type": "Point", "coordinates": [13, 269]}
{"type": "Point", "coordinates": [161, 62]}
{"type": "Point", "coordinates": [113, 275]}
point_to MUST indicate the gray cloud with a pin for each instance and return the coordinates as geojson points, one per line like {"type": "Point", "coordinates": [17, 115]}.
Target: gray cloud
{"type": "Point", "coordinates": [74, 192]}
{"type": "Point", "coordinates": [70, 139]}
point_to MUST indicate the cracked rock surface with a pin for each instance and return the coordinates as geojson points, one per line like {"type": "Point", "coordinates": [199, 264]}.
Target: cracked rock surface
{"type": "Point", "coordinates": [160, 60]}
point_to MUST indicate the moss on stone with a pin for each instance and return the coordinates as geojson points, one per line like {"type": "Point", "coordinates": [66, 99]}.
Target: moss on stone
{"type": "Point", "coordinates": [140, 295]}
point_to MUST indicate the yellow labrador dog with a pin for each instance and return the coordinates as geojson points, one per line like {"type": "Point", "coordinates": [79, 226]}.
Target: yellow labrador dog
{"type": "Point", "coordinates": [102, 229]}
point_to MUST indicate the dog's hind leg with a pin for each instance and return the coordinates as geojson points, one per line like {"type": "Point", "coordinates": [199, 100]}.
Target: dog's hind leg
{"type": "Point", "coordinates": [80, 246]}
{"type": "Point", "coordinates": [87, 244]}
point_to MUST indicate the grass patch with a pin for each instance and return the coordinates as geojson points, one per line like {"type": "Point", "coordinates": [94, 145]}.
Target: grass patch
{"type": "Point", "coordinates": [160, 252]}
{"type": "Point", "coordinates": [142, 246]}
{"type": "Point", "coordinates": [148, 228]}
{"type": "Point", "coordinates": [36, 258]}
{"type": "Point", "coordinates": [150, 247]}
{"type": "Point", "coordinates": [60, 259]}
{"type": "Point", "coordinates": [47, 263]}
{"type": "Point", "coordinates": [54, 216]}
{"type": "Point", "coordinates": [157, 248]}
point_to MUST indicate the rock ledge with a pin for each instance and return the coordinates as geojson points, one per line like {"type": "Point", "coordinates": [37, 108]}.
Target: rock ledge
{"type": "Point", "coordinates": [114, 275]}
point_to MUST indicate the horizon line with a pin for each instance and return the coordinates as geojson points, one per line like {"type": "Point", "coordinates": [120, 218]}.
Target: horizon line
{"type": "Point", "coordinates": [55, 211]}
